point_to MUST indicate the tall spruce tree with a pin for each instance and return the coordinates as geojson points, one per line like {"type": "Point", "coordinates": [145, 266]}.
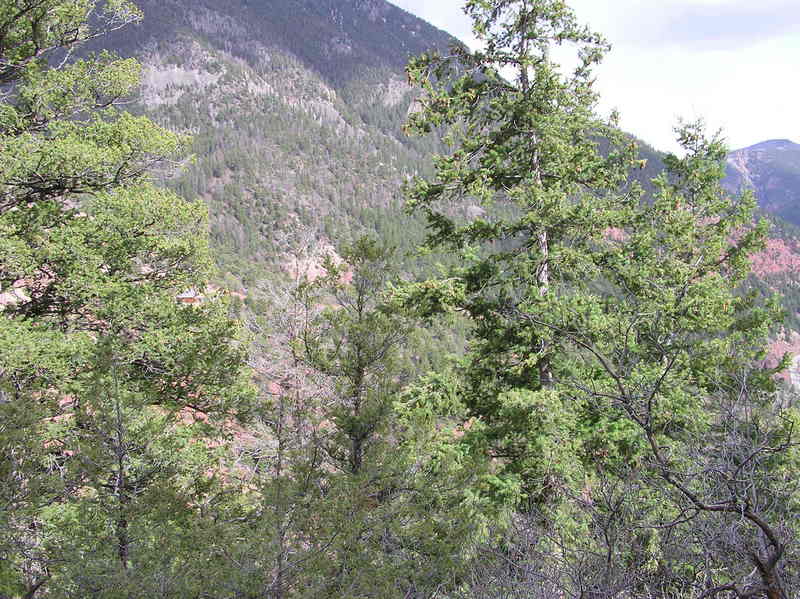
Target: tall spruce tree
{"type": "Point", "coordinates": [102, 370]}
{"type": "Point", "coordinates": [613, 377]}
{"type": "Point", "coordinates": [522, 199]}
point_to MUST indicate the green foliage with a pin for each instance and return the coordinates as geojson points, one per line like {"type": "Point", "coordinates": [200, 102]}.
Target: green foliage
{"type": "Point", "coordinates": [610, 430]}
{"type": "Point", "coordinates": [614, 371]}
{"type": "Point", "coordinates": [102, 371]}
{"type": "Point", "coordinates": [355, 491]}
{"type": "Point", "coordinates": [675, 353]}
{"type": "Point", "coordinates": [542, 195]}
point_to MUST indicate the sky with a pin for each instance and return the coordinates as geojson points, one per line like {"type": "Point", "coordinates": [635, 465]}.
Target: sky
{"type": "Point", "coordinates": [733, 63]}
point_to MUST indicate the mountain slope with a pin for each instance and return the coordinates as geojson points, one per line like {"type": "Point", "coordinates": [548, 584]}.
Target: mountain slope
{"type": "Point", "coordinates": [772, 170]}
{"type": "Point", "coordinates": [295, 108]}
{"type": "Point", "coordinates": [339, 39]}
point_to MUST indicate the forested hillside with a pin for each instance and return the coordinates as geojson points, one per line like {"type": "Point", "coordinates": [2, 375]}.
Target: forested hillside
{"type": "Point", "coordinates": [293, 306]}
{"type": "Point", "coordinates": [296, 110]}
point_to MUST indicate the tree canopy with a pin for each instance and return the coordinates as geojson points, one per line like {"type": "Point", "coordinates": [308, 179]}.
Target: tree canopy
{"type": "Point", "coordinates": [610, 429]}
{"type": "Point", "coordinates": [615, 373]}
{"type": "Point", "coordinates": [107, 383]}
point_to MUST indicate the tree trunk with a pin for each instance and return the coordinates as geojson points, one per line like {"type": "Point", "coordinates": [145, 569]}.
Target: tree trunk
{"type": "Point", "coordinates": [543, 280]}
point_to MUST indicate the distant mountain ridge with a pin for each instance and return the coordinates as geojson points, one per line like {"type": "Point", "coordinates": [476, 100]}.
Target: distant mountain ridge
{"type": "Point", "coordinates": [772, 170]}
{"type": "Point", "coordinates": [339, 39]}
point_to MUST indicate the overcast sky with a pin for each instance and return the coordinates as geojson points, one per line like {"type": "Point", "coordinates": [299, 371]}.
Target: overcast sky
{"type": "Point", "coordinates": [735, 63]}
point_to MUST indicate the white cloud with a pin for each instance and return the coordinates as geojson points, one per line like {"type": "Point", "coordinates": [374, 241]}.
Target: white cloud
{"type": "Point", "coordinates": [711, 24]}
{"type": "Point", "coordinates": [735, 63]}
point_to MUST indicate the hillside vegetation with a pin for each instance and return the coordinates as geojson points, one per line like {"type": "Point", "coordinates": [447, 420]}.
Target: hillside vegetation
{"type": "Point", "coordinates": [296, 110]}
{"type": "Point", "coordinates": [300, 299]}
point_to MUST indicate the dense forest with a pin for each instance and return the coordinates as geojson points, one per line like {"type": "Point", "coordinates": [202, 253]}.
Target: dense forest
{"type": "Point", "coordinates": [229, 369]}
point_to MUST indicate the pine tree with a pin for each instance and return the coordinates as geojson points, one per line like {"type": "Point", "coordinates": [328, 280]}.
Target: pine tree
{"type": "Point", "coordinates": [522, 199]}
{"type": "Point", "coordinates": [614, 375]}
{"type": "Point", "coordinates": [100, 365]}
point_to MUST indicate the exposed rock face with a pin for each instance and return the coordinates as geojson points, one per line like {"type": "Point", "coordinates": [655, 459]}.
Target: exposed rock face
{"type": "Point", "coordinates": [787, 343]}
{"type": "Point", "coordinates": [772, 170]}
{"type": "Point", "coordinates": [780, 257]}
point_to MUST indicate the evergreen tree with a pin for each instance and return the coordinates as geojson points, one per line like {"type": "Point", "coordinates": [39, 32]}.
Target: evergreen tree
{"type": "Point", "coordinates": [522, 199]}
{"type": "Point", "coordinates": [614, 376]}
{"type": "Point", "coordinates": [674, 349]}
{"type": "Point", "coordinates": [358, 491]}
{"type": "Point", "coordinates": [101, 367]}
{"type": "Point", "coordinates": [401, 531]}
